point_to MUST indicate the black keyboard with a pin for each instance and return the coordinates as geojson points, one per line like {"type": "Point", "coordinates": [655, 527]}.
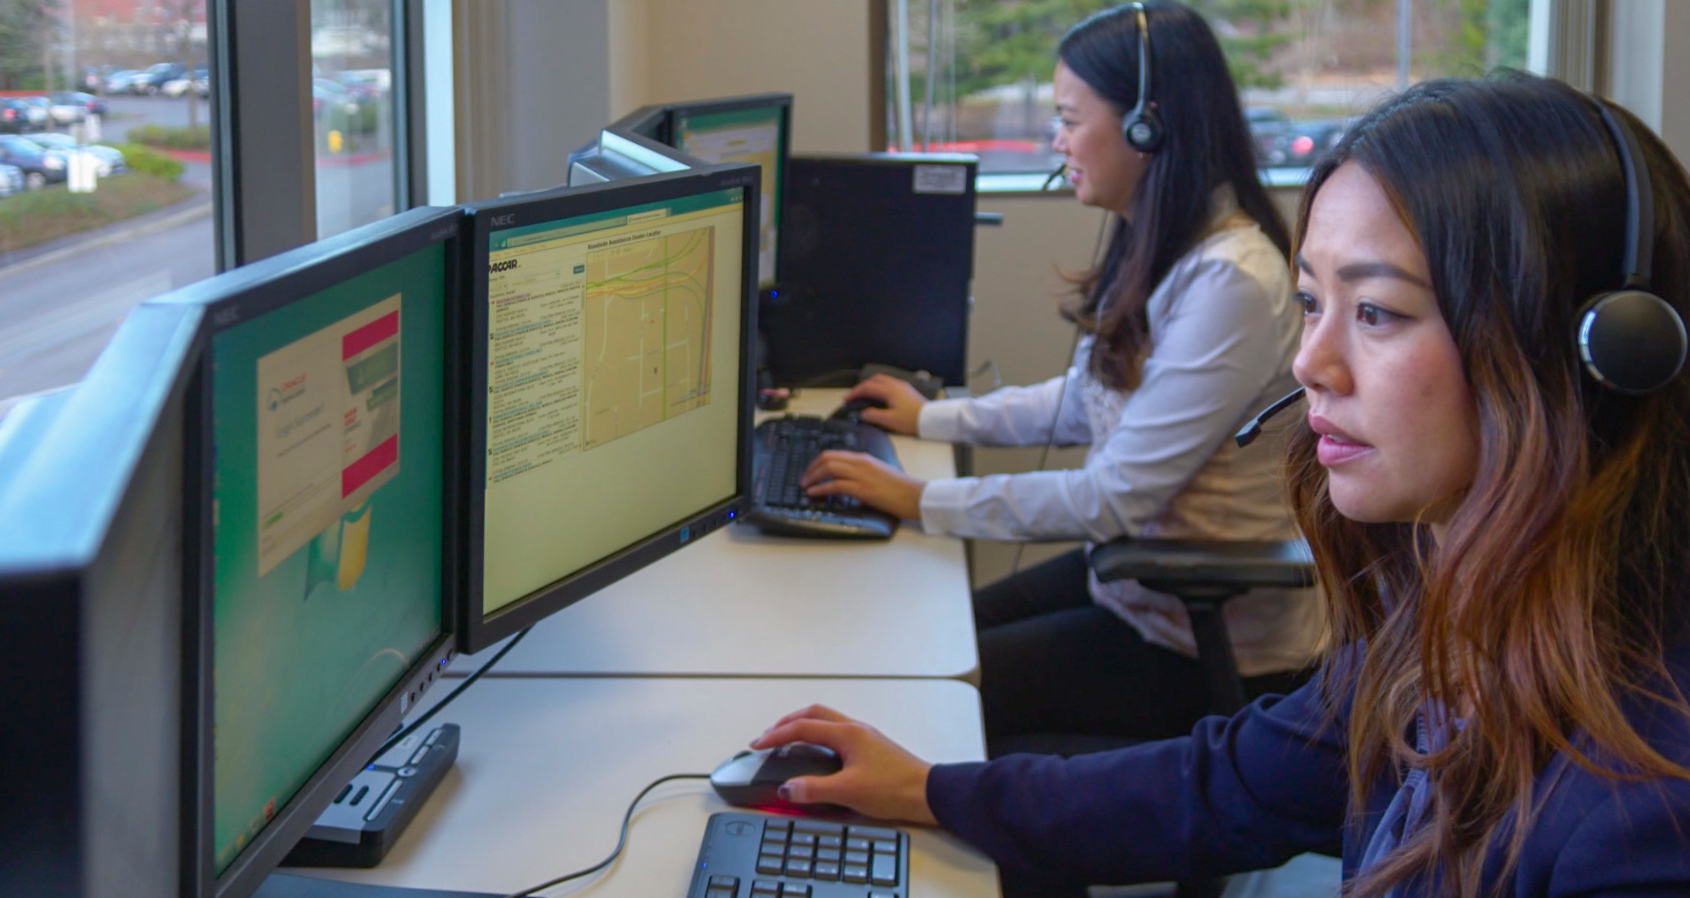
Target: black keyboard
{"type": "Point", "coordinates": [756, 856]}
{"type": "Point", "coordinates": [783, 448]}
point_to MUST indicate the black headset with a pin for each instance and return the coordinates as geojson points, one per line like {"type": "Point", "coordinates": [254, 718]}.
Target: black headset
{"type": "Point", "coordinates": [1631, 340]}
{"type": "Point", "coordinates": [1142, 127]}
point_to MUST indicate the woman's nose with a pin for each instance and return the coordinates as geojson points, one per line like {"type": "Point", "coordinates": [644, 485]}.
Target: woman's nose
{"type": "Point", "coordinates": [1320, 363]}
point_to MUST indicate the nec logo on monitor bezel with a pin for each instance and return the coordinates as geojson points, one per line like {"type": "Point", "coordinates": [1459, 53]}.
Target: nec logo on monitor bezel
{"type": "Point", "coordinates": [504, 221]}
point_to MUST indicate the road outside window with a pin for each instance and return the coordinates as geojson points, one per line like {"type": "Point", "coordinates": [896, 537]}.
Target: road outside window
{"type": "Point", "coordinates": [352, 112]}
{"type": "Point", "coordinates": [105, 175]}
{"type": "Point", "coordinates": [979, 71]}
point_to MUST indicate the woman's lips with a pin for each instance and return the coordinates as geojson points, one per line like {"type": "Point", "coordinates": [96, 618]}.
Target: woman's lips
{"type": "Point", "coordinates": [1335, 447]}
{"type": "Point", "coordinates": [1332, 451]}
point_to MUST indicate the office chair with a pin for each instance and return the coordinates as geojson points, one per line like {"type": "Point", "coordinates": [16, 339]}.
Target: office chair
{"type": "Point", "coordinates": [1204, 575]}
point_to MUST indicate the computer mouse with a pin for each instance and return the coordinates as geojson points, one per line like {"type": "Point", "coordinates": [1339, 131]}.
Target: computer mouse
{"type": "Point", "coordinates": [847, 411]}
{"type": "Point", "coordinates": [752, 778]}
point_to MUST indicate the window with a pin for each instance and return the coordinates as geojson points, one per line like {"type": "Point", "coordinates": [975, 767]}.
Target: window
{"type": "Point", "coordinates": [975, 75]}
{"type": "Point", "coordinates": [352, 115]}
{"type": "Point", "coordinates": [106, 175]}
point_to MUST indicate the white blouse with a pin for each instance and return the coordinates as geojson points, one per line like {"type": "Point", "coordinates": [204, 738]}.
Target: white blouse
{"type": "Point", "coordinates": [1223, 332]}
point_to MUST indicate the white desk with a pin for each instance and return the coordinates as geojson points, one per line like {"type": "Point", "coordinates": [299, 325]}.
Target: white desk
{"type": "Point", "coordinates": [738, 603]}
{"type": "Point", "coordinates": [547, 766]}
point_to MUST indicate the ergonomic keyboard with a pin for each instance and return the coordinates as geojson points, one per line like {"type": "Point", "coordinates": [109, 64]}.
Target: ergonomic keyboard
{"type": "Point", "coordinates": [748, 855]}
{"type": "Point", "coordinates": [783, 448]}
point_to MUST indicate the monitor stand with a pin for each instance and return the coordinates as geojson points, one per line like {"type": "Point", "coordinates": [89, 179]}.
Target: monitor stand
{"type": "Point", "coordinates": [370, 814]}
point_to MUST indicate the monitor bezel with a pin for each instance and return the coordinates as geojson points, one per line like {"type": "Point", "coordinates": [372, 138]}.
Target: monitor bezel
{"type": "Point", "coordinates": [476, 630]}
{"type": "Point", "coordinates": [230, 300]}
{"type": "Point", "coordinates": [675, 112]}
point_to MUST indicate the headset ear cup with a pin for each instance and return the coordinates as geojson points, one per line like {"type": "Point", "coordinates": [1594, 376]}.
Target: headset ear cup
{"type": "Point", "coordinates": [1631, 341]}
{"type": "Point", "coordinates": [1143, 130]}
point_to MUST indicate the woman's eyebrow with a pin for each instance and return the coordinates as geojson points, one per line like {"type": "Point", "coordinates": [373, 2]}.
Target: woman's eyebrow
{"type": "Point", "coordinates": [1359, 271]}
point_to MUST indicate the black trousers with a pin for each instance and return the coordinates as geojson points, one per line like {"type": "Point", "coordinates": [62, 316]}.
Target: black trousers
{"type": "Point", "coordinates": [1061, 675]}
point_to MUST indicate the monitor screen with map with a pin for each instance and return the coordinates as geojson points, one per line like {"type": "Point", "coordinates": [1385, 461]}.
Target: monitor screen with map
{"type": "Point", "coordinates": [611, 391]}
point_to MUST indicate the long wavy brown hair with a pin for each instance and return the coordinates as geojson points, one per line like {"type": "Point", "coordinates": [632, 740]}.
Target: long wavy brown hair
{"type": "Point", "coordinates": [1541, 612]}
{"type": "Point", "coordinates": [1206, 145]}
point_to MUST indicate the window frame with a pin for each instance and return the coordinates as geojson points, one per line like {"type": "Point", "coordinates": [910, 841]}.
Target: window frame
{"type": "Point", "coordinates": [264, 198]}
{"type": "Point", "coordinates": [1573, 44]}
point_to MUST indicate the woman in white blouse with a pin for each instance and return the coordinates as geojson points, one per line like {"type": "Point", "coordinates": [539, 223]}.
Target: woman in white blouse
{"type": "Point", "coordinates": [1189, 328]}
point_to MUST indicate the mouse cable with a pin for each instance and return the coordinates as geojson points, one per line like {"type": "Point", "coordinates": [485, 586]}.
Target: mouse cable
{"type": "Point", "coordinates": [416, 724]}
{"type": "Point", "coordinates": [621, 838]}
{"type": "Point", "coordinates": [1062, 394]}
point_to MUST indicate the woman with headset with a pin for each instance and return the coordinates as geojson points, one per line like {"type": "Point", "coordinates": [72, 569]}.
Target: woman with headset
{"type": "Point", "coordinates": [1493, 475]}
{"type": "Point", "coordinates": [1188, 327]}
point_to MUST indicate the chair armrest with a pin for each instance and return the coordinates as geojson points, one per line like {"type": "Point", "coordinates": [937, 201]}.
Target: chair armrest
{"type": "Point", "coordinates": [1181, 566]}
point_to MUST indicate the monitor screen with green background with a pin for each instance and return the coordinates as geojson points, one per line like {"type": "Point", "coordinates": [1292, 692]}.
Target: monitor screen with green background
{"type": "Point", "coordinates": [327, 490]}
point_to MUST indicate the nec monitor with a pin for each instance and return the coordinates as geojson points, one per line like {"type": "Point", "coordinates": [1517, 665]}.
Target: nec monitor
{"type": "Point", "coordinates": [877, 256]}
{"type": "Point", "coordinates": [91, 584]}
{"type": "Point", "coordinates": [323, 553]}
{"type": "Point", "coordinates": [755, 130]}
{"type": "Point", "coordinates": [610, 389]}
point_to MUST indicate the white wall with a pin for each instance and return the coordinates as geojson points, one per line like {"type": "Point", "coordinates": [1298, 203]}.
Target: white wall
{"type": "Point", "coordinates": [672, 50]}
{"type": "Point", "coordinates": [530, 79]}
{"type": "Point", "coordinates": [1644, 75]}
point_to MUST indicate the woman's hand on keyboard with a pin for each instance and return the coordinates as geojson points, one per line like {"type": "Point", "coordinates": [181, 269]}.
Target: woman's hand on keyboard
{"type": "Point", "coordinates": [866, 479]}
{"type": "Point", "coordinates": [879, 779]}
{"type": "Point", "coordinates": [902, 403]}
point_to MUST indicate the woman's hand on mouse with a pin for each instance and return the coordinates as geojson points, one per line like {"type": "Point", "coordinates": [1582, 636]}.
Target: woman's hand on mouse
{"type": "Point", "coordinates": [902, 403]}
{"type": "Point", "coordinates": [879, 778]}
{"type": "Point", "coordinates": [866, 479]}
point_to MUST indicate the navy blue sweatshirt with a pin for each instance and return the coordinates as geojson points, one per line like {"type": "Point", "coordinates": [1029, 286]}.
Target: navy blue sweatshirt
{"type": "Point", "coordinates": [1251, 791]}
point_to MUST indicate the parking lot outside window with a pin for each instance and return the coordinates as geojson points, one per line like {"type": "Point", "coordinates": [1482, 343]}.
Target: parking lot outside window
{"type": "Point", "coordinates": [106, 176]}
{"type": "Point", "coordinates": [976, 74]}
{"type": "Point", "coordinates": [352, 112]}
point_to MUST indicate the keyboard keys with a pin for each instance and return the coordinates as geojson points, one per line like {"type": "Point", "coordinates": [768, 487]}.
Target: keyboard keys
{"type": "Point", "coordinates": [884, 870]}
{"type": "Point", "coordinates": [753, 856]}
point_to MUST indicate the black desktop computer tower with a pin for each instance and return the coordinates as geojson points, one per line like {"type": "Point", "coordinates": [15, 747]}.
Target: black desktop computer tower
{"type": "Point", "coordinates": [876, 255]}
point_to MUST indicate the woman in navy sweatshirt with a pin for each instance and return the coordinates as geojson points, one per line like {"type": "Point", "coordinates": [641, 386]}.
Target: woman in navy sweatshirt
{"type": "Point", "coordinates": [1494, 477]}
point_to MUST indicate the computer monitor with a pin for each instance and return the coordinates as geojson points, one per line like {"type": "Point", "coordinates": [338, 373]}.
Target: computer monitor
{"type": "Point", "coordinates": [877, 258]}
{"type": "Point", "coordinates": [91, 580]}
{"type": "Point", "coordinates": [322, 495]}
{"type": "Point", "coordinates": [616, 154]}
{"type": "Point", "coordinates": [755, 130]}
{"type": "Point", "coordinates": [610, 385]}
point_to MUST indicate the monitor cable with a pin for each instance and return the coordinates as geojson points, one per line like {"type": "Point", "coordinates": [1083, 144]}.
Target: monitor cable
{"type": "Point", "coordinates": [621, 838]}
{"type": "Point", "coordinates": [1062, 394]}
{"type": "Point", "coordinates": [398, 737]}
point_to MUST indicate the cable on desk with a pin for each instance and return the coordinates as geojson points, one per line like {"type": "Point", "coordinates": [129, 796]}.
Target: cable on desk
{"type": "Point", "coordinates": [621, 838]}
{"type": "Point", "coordinates": [415, 724]}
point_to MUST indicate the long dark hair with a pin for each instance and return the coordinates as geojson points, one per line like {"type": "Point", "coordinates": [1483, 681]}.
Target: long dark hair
{"type": "Point", "coordinates": [1207, 145]}
{"type": "Point", "coordinates": [1543, 610]}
